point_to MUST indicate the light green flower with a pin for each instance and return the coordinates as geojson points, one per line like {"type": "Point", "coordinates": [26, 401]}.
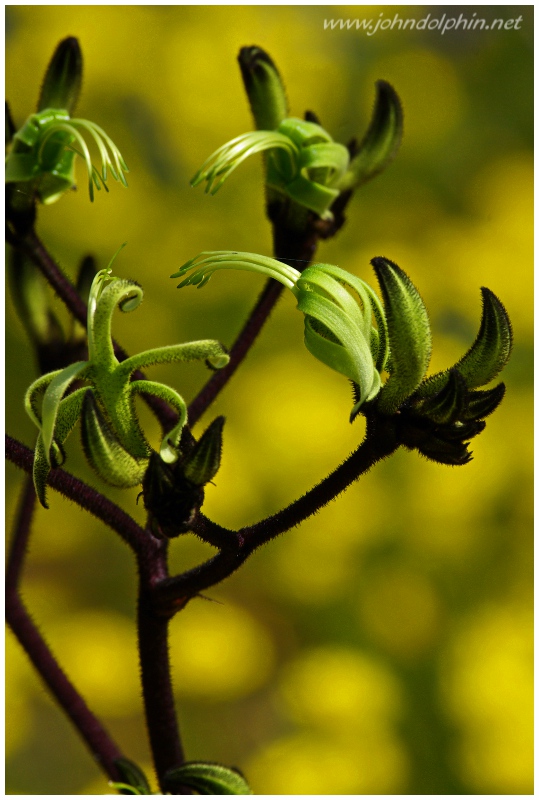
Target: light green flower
{"type": "Point", "coordinates": [339, 329]}
{"type": "Point", "coordinates": [44, 152]}
{"type": "Point", "coordinates": [113, 440]}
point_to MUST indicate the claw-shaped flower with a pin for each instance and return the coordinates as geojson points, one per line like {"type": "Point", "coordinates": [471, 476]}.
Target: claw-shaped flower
{"type": "Point", "coordinates": [339, 329]}
{"type": "Point", "coordinates": [303, 163]}
{"type": "Point", "coordinates": [361, 339]}
{"type": "Point", "coordinates": [43, 151]}
{"type": "Point", "coordinates": [113, 439]}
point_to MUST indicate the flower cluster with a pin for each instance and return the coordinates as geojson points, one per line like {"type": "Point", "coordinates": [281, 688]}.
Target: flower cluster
{"type": "Point", "coordinates": [361, 338]}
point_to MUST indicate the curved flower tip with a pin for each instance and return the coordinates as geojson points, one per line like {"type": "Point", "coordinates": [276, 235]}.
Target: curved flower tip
{"type": "Point", "coordinates": [44, 150]}
{"type": "Point", "coordinates": [304, 163]}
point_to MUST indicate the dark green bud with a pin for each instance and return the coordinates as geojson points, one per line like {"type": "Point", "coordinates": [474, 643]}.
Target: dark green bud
{"type": "Point", "coordinates": [33, 304]}
{"type": "Point", "coordinates": [207, 778]}
{"type": "Point", "coordinates": [202, 463]}
{"type": "Point", "coordinates": [63, 79]}
{"type": "Point", "coordinates": [382, 140]}
{"type": "Point", "coordinates": [408, 331]}
{"type": "Point", "coordinates": [171, 500]}
{"type": "Point", "coordinates": [264, 88]}
{"type": "Point", "coordinates": [133, 776]}
{"type": "Point", "coordinates": [450, 403]}
{"type": "Point", "coordinates": [481, 404]}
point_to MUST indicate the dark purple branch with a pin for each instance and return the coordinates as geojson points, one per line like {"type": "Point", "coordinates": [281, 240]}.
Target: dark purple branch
{"type": "Point", "coordinates": [157, 690]}
{"type": "Point", "coordinates": [102, 747]}
{"type": "Point", "coordinates": [381, 441]}
{"type": "Point", "coordinates": [82, 494]}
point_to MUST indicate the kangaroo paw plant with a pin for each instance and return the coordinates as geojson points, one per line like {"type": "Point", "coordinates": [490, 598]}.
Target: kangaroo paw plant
{"type": "Point", "coordinates": [379, 339]}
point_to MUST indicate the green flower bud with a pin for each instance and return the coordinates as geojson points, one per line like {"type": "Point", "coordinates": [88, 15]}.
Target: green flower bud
{"type": "Point", "coordinates": [409, 334]}
{"type": "Point", "coordinates": [112, 462]}
{"type": "Point", "coordinates": [207, 778]}
{"type": "Point", "coordinates": [450, 403]}
{"type": "Point", "coordinates": [482, 404]}
{"type": "Point", "coordinates": [489, 353]}
{"type": "Point", "coordinates": [203, 462]}
{"type": "Point", "coordinates": [381, 142]}
{"type": "Point", "coordinates": [264, 88]}
{"type": "Point", "coordinates": [63, 79]}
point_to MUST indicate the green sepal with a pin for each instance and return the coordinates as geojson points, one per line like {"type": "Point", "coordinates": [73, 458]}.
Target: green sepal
{"type": "Point", "coordinates": [409, 334]}
{"type": "Point", "coordinates": [481, 404]}
{"type": "Point", "coordinates": [112, 462]}
{"type": "Point", "coordinates": [450, 403]}
{"type": "Point", "coordinates": [264, 88]}
{"type": "Point", "coordinates": [204, 460]}
{"type": "Point", "coordinates": [63, 78]}
{"type": "Point", "coordinates": [381, 142]}
{"type": "Point", "coordinates": [133, 777]}
{"type": "Point", "coordinates": [207, 778]}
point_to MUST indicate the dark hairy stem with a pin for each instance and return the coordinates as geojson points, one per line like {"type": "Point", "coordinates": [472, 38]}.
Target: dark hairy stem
{"type": "Point", "coordinates": [157, 686]}
{"type": "Point", "coordinates": [380, 441]}
{"type": "Point", "coordinates": [82, 494]}
{"type": "Point", "coordinates": [103, 748]}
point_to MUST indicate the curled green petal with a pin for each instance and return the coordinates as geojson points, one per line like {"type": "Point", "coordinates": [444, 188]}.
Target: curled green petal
{"type": "Point", "coordinates": [409, 334]}
{"type": "Point", "coordinates": [112, 462]}
{"type": "Point", "coordinates": [53, 397]}
{"type": "Point", "coordinates": [381, 141]}
{"type": "Point", "coordinates": [169, 450]}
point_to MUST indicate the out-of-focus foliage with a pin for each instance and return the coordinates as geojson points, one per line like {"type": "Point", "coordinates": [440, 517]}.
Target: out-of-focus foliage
{"type": "Point", "coordinates": [384, 646]}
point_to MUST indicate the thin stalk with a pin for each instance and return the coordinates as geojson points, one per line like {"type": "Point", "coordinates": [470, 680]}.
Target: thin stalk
{"type": "Point", "coordinates": [380, 441]}
{"type": "Point", "coordinates": [82, 494]}
{"type": "Point", "coordinates": [102, 747]}
{"type": "Point", "coordinates": [157, 690]}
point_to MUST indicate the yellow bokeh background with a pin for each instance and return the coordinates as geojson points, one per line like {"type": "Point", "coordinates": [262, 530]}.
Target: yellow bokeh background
{"type": "Point", "coordinates": [384, 646]}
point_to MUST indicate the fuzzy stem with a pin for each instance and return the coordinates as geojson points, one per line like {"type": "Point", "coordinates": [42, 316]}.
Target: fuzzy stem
{"type": "Point", "coordinates": [380, 442]}
{"type": "Point", "coordinates": [82, 494]}
{"type": "Point", "coordinates": [155, 668]}
{"type": "Point", "coordinates": [103, 748]}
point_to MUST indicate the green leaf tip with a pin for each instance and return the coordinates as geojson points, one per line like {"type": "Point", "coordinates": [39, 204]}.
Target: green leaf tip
{"type": "Point", "coordinates": [63, 78]}
{"type": "Point", "coordinates": [206, 778]}
{"type": "Point", "coordinates": [409, 334]}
